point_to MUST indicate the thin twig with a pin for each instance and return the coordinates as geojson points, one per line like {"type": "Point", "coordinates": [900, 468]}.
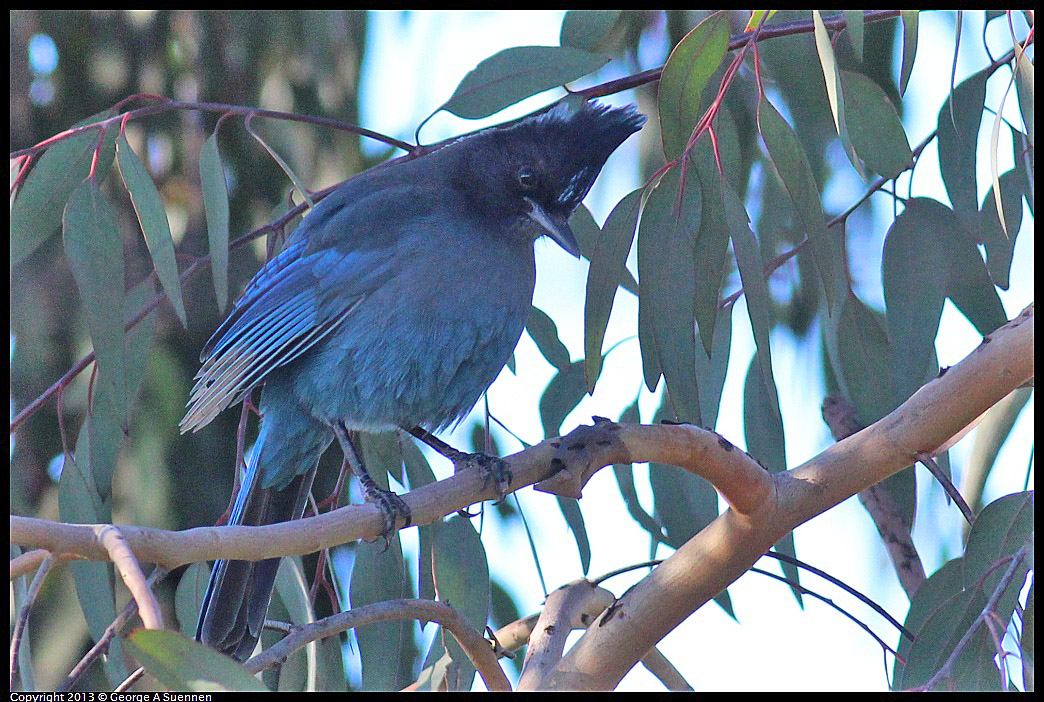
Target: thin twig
{"type": "Point", "coordinates": [23, 615]}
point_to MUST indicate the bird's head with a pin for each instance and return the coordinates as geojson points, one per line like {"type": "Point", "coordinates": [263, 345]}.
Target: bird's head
{"type": "Point", "coordinates": [533, 173]}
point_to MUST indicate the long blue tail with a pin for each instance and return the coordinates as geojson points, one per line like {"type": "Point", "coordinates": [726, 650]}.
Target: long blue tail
{"type": "Point", "coordinates": [239, 592]}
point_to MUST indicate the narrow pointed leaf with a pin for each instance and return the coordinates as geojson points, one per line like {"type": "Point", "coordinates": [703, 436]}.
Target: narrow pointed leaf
{"type": "Point", "coordinates": [989, 438]}
{"type": "Point", "coordinates": [376, 577]}
{"type": "Point", "coordinates": [95, 250]}
{"type": "Point", "coordinates": [873, 124]}
{"type": "Point", "coordinates": [690, 65]}
{"type": "Point", "coordinates": [792, 166]}
{"type": "Point", "coordinates": [543, 331]}
{"type": "Point", "coordinates": [914, 274]}
{"type": "Point", "coordinates": [586, 29]}
{"type": "Point", "coordinates": [215, 203]}
{"type": "Point", "coordinates": [1000, 249]}
{"type": "Point", "coordinates": [461, 576]}
{"type": "Point", "coordinates": [1024, 89]}
{"type": "Point", "coordinates": [711, 369]}
{"type": "Point", "coordinates": [755, 288]}
{"type": "Point", "coordinates": [829, 66]}
{"type": "Point", "coordinates": [561, 396]}
{"type": "Point", "coordinates": [36, 213]}
{"type": "Point", "coordinates": [958, 134]}
{"type": "Point", "coordinates": [608, 264]}
{"type": "Point", "coordinates": [182, 664]}
{"type": "Point", "coordinates": [854, 22]}
{"type": "Point", "coordinates": [575, 520]}
{"type": "Point", "coordinates": [666, 270]}
{"type": "Point", "coordinates": [712, 242]}
{"type": "Point", "coordinates": [514, 74]}
{"type": "Point", "coordinates": [153, 220]}
{"type": "Point", "coordinates": [909, 48]}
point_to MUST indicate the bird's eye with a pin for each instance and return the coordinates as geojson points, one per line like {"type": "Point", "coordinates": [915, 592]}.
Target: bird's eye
{"type": "Point", "coordinates": [527, 178]}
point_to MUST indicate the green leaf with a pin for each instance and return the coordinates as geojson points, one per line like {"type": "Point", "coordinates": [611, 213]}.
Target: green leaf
{"type": "Point", "coordinates": [854, 22]}
{"type": "Point", "coordinates": [690, 65]}
{"type": "Point", "coordinates": [860, 354]}
{"type": "Point", "coordinates": [835, 95]}
{"type": "Point", "coordinates": [755, 290]}
{"type": "Point", "coordinates": [684, 503]}
{"type": "Point", "coordinates": [1002, 528]}
{"type": "Point", "coordinates": [791, 164]}
{"type": "Point", "coordinates": [829, 66]}
{"type": "Point", "coordinates": [188, 597]}
{"type": "Point", "coordinates": [608, 265]}
{"type": "Point", "coordinates": [462, 581]}
{"type": "Point", "coordinates": [36, 212]}
{"type": "Point", "coordinates": [382, 455]}
{"type": "Point", "coordinates": [943, 584]}
{"type": "Point", "coordinates": [586, 29]}
{"type": "Point", "coordinates": [711, 369]}
{"type": "Point", "coordinates": [940, 615]}
{"type": "Point", "coordinates": [914, 274]}
{"type": "Point", "coordinates": [625, 480]}
{"type": "Point", "coordinates": [588, 233]}
{"type": "Point", "coordinates": [575, 520]}
{"type": "Point", "coordinates": [762, 422]}
{"type": "Point", "coordinates": [909, 48]}
{"type": "Point", "coordinates": [80, 503]}
{"type": "Point", "coordinates": [544, 333]}
{"type": "Point", "coordinates": [514, 74]}
{"type": "Point", "coordinates": [215, 203]}
{"type": "Point", "coordinates": [957, 139]}
{"type": "Point", "coordinates": [378, 576]}
{"type": "Point", "coordinates": [182, 664]}
{"type": "Point", "coordinates": [711, 250]}
{"type": "Point", "coordinates": [281, 162]}
{"type": "Point", "coordinates": [95, 250]}
{"type": "Point", "coordinates": [874, 126]}
{"type": "Point", "coordinates": [292, 590]}
{"type": "Point", "coordinates": [561, 396]}
{"type": "Point", "coordinates": [990, 435]}
{"type": "Point", "coordinates": [1000, 248]}
{"type": "Point", "coordinates": [667, 275]}
{"type": "Point", "coordinates": [755, 18]}
{"type": "Point", "coordinates": [764, 436]}
{"type": "Point", "coordinates": [857, 345]}
{"type": "Point", "coordinates": [1024, 89]}
{"type": "Point", "coordinates": [1027, 640]}
{"type": "Point", "coordinates": [969, 285]}
{"type": "Point", "coordinates": [153, 220]}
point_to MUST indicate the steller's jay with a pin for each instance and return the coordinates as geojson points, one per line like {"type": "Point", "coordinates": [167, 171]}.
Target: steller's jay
{"type": "Point", "coordinates": [394, 304]}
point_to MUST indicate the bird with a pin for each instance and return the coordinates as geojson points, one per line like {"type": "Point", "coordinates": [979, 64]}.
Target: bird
{"type": "Point", "coordinates": [393, 305]}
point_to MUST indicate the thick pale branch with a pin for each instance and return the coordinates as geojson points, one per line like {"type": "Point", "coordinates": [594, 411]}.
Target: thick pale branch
{"type": "Point", "coordinates": [727, 547]}
{"type": "Point", "coordinates": [133, 578]}
{"type": "Point", "coordinates": [572, 606]}
{"type": "Point", "coordinates": [560, 465]}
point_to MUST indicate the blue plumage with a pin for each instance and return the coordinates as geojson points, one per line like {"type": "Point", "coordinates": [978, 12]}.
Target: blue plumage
{"type": "Point", "coordinates": [395, 303]}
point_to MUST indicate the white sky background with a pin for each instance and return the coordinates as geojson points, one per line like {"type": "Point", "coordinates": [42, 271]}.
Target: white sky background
{"type": "Point", "coordinates": [414, 61]}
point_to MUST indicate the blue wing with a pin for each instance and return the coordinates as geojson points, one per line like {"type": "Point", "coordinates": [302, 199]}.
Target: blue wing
{"type": "Point", "coordinates": [331, 263]}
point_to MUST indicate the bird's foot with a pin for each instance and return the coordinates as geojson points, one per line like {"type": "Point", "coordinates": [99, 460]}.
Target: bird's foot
{"type": "Point", "coordinates": [494, 470]}
{"type": "Point", "coordinates": [392, 507]}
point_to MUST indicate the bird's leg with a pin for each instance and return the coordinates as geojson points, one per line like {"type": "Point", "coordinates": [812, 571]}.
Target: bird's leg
{"type": "Point", "coordinates": [493, 469]}
{"type": "Point", "coordinates": [390, 504]}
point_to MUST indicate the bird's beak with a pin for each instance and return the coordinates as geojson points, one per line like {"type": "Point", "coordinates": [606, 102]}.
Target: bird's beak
{"type": "Point", "coordinates": [556, 227]}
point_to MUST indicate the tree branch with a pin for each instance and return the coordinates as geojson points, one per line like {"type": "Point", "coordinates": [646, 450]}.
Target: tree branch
{"type": "Point", "coordinates": [729, 545]}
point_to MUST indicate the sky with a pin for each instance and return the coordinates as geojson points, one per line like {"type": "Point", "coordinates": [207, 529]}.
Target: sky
{"type": "Point", "coordinates": [424, 55]}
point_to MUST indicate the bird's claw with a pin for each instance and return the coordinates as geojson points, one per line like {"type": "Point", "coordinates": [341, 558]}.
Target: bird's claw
{"type": "Point", "coordinates": [392, 508]}
{"type": "Point", "coordinates": [493, 469]}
